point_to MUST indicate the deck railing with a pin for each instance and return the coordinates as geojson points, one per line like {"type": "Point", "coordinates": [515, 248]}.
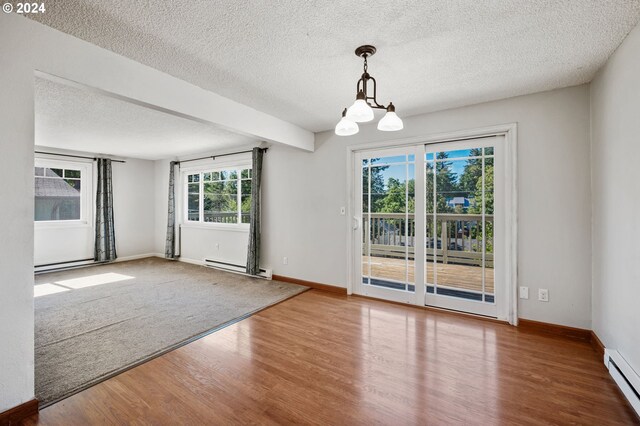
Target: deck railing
{"type": "Point", "coordinates": [456, 238]}
{"type": "Point", "coordinates": [219, 217]}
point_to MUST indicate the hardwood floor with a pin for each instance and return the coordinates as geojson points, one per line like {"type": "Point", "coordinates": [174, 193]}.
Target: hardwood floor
{"type": "Point", "coordinates": [322, 358]}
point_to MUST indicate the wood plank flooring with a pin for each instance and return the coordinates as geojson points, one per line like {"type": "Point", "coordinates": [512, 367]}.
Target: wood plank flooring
{"type": "Point", "coordinates": [321, 358]}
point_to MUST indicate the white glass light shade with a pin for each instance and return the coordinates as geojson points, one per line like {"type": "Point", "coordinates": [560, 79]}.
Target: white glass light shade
{"type": "Point", "coordinates": [390, 122]}
{"type": "Point", "coordinates": [360, 112]}
{"type": "Point", "coordinates": [346, 127]}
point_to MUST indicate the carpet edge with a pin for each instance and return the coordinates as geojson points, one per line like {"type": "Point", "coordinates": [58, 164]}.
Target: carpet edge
{"type": "Point", "coordinates": [157, 354]}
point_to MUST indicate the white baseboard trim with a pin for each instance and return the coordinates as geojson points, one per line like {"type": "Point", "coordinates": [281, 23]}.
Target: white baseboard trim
{"type": "Point", "coordinates": [191, 261]}
{"type": "Point", "coordinates": [137, 256]}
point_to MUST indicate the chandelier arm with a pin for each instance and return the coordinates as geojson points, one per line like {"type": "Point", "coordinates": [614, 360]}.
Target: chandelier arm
{"type": "Point", "coordinates": [375, 101]}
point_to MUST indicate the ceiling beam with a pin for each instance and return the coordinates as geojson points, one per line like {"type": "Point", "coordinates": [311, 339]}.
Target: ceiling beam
{"type": "Point", "coordinates": [63, 58]}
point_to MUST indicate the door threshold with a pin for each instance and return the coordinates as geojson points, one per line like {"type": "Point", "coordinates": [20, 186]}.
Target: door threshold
{"type": "Point", "coordinates": [438, 309]}
{"type": "Point", "coordinates": [466, 314]}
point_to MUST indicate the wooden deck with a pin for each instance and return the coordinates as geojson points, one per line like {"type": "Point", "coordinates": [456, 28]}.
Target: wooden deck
{"type": "Point", "coordinates": [463, 277]}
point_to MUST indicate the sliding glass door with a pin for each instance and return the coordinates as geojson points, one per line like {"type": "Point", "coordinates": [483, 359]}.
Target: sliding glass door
{"type": "Point", "coordinates": [432, 224]}
{"type": "Point", "coordinates": [459, 229]}
{"type": "Point", "coordinates": [386, 205]}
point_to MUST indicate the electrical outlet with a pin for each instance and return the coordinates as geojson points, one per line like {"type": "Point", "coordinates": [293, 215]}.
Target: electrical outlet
{"type": "Point", "coordinates": [524, 292]}
{"type": "Point", "coordinates": [285, 260]}
{"type": "Point", "coordinates": [543, 295]}
{"type": "Point", "coordinates": [217, 246]}
{"type": "Point", "coordinates": [343, 211]}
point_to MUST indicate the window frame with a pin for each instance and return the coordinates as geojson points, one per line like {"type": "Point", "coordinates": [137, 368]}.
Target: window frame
{"type": "Point", "coordinates": [201, 169]}
{"type": "Point", "coordinates": [86, 189]}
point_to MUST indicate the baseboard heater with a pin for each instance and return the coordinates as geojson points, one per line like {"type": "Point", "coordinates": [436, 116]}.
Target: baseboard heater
{"type": "Point", "coordinates": [60, 266]}
{"type": "Point", "coordinates": [625, 377]}
{"type": "Point", "coordinates": [238, 269]}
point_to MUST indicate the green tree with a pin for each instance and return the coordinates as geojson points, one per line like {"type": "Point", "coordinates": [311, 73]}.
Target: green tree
{"type": "Point", "coordinates": [472, 171]}
{"type": "Point", "coordinates": [488, 201]}
{"type": "Point", "coordinates": [446, 184]}
{"type": "Point", "coordinates": [488, 190]}
{"type": "Point", "coordinates": [221, 197]}
{"type": "Point", "coordinates": [397, 195]}
{"type": "Point", "coordinates": [376, 173]}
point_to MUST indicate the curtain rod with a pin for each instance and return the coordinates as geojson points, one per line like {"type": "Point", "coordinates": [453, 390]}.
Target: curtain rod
{"type": "Point", "coordinates": [213, 157]}
{"type": "Point", "coordinates": [76, 156]}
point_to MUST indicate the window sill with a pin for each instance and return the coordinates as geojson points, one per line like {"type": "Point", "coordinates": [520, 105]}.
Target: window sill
{"type": "Point", "coordinates": [217, 226]}
{"type": "Point", "coordinates": [62, 224]}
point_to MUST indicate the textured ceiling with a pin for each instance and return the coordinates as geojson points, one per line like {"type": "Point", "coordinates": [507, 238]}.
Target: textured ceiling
{"type": "Point", "coordinates": [294, 59]}
{"type": "Point", "coordinates": [76, 119]}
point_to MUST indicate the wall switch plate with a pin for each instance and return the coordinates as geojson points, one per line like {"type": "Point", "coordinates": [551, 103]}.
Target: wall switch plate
{"type": "Point", "coordinates": [543, 295]}
{"type": "Point", "coordinates": [285, 260]}
{"type": "Point", "coordinates": [217, 246]}
{"type": "Point", "coordinates": [343, 211]}
{"type": "Point", "coordinates": [524, 292]}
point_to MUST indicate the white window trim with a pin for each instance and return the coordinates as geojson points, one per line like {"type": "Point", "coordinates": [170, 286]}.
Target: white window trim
{"type": "Point", "coordinates": [206, 167]}
{"type": "Point", "coordinates": [86, 188]}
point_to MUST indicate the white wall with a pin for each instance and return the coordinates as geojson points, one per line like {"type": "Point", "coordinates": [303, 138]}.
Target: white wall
{"type": "Point", "coordinates": [615, 144]}
{"type": "Point", "coordinates": [199, 243]}
{"type": "Point", "coordinates": [133, 204]}
{"type": "Point", "coordinates": [16, 232]}
{"type": "Point", "coordinates": [303, 194]}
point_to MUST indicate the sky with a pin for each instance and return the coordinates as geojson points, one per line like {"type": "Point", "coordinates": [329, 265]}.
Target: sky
{"type": "Point", "coordinates": [398, 171]}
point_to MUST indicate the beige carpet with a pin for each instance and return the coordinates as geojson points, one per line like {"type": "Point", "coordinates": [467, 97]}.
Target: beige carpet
{"type": "Point", "coordinates": [94, 322]}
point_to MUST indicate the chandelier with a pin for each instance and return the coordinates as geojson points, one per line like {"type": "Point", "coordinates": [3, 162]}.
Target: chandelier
{"type": "Point", "coordinates": [362, 109]}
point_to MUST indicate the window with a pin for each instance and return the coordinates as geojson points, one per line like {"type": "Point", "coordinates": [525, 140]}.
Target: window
{"type": "Point", "coordinates": [60, 191]}
{"type": "Point", "coordinates": [219, 196]}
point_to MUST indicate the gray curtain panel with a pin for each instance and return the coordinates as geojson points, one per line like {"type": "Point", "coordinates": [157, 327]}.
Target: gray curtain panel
{"type": "Point", "coordinates": [105, 245]}
{"type": "Point", "coordinates": [253, 253]}
{"type": "Point", "coordinates": [170, 245]}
